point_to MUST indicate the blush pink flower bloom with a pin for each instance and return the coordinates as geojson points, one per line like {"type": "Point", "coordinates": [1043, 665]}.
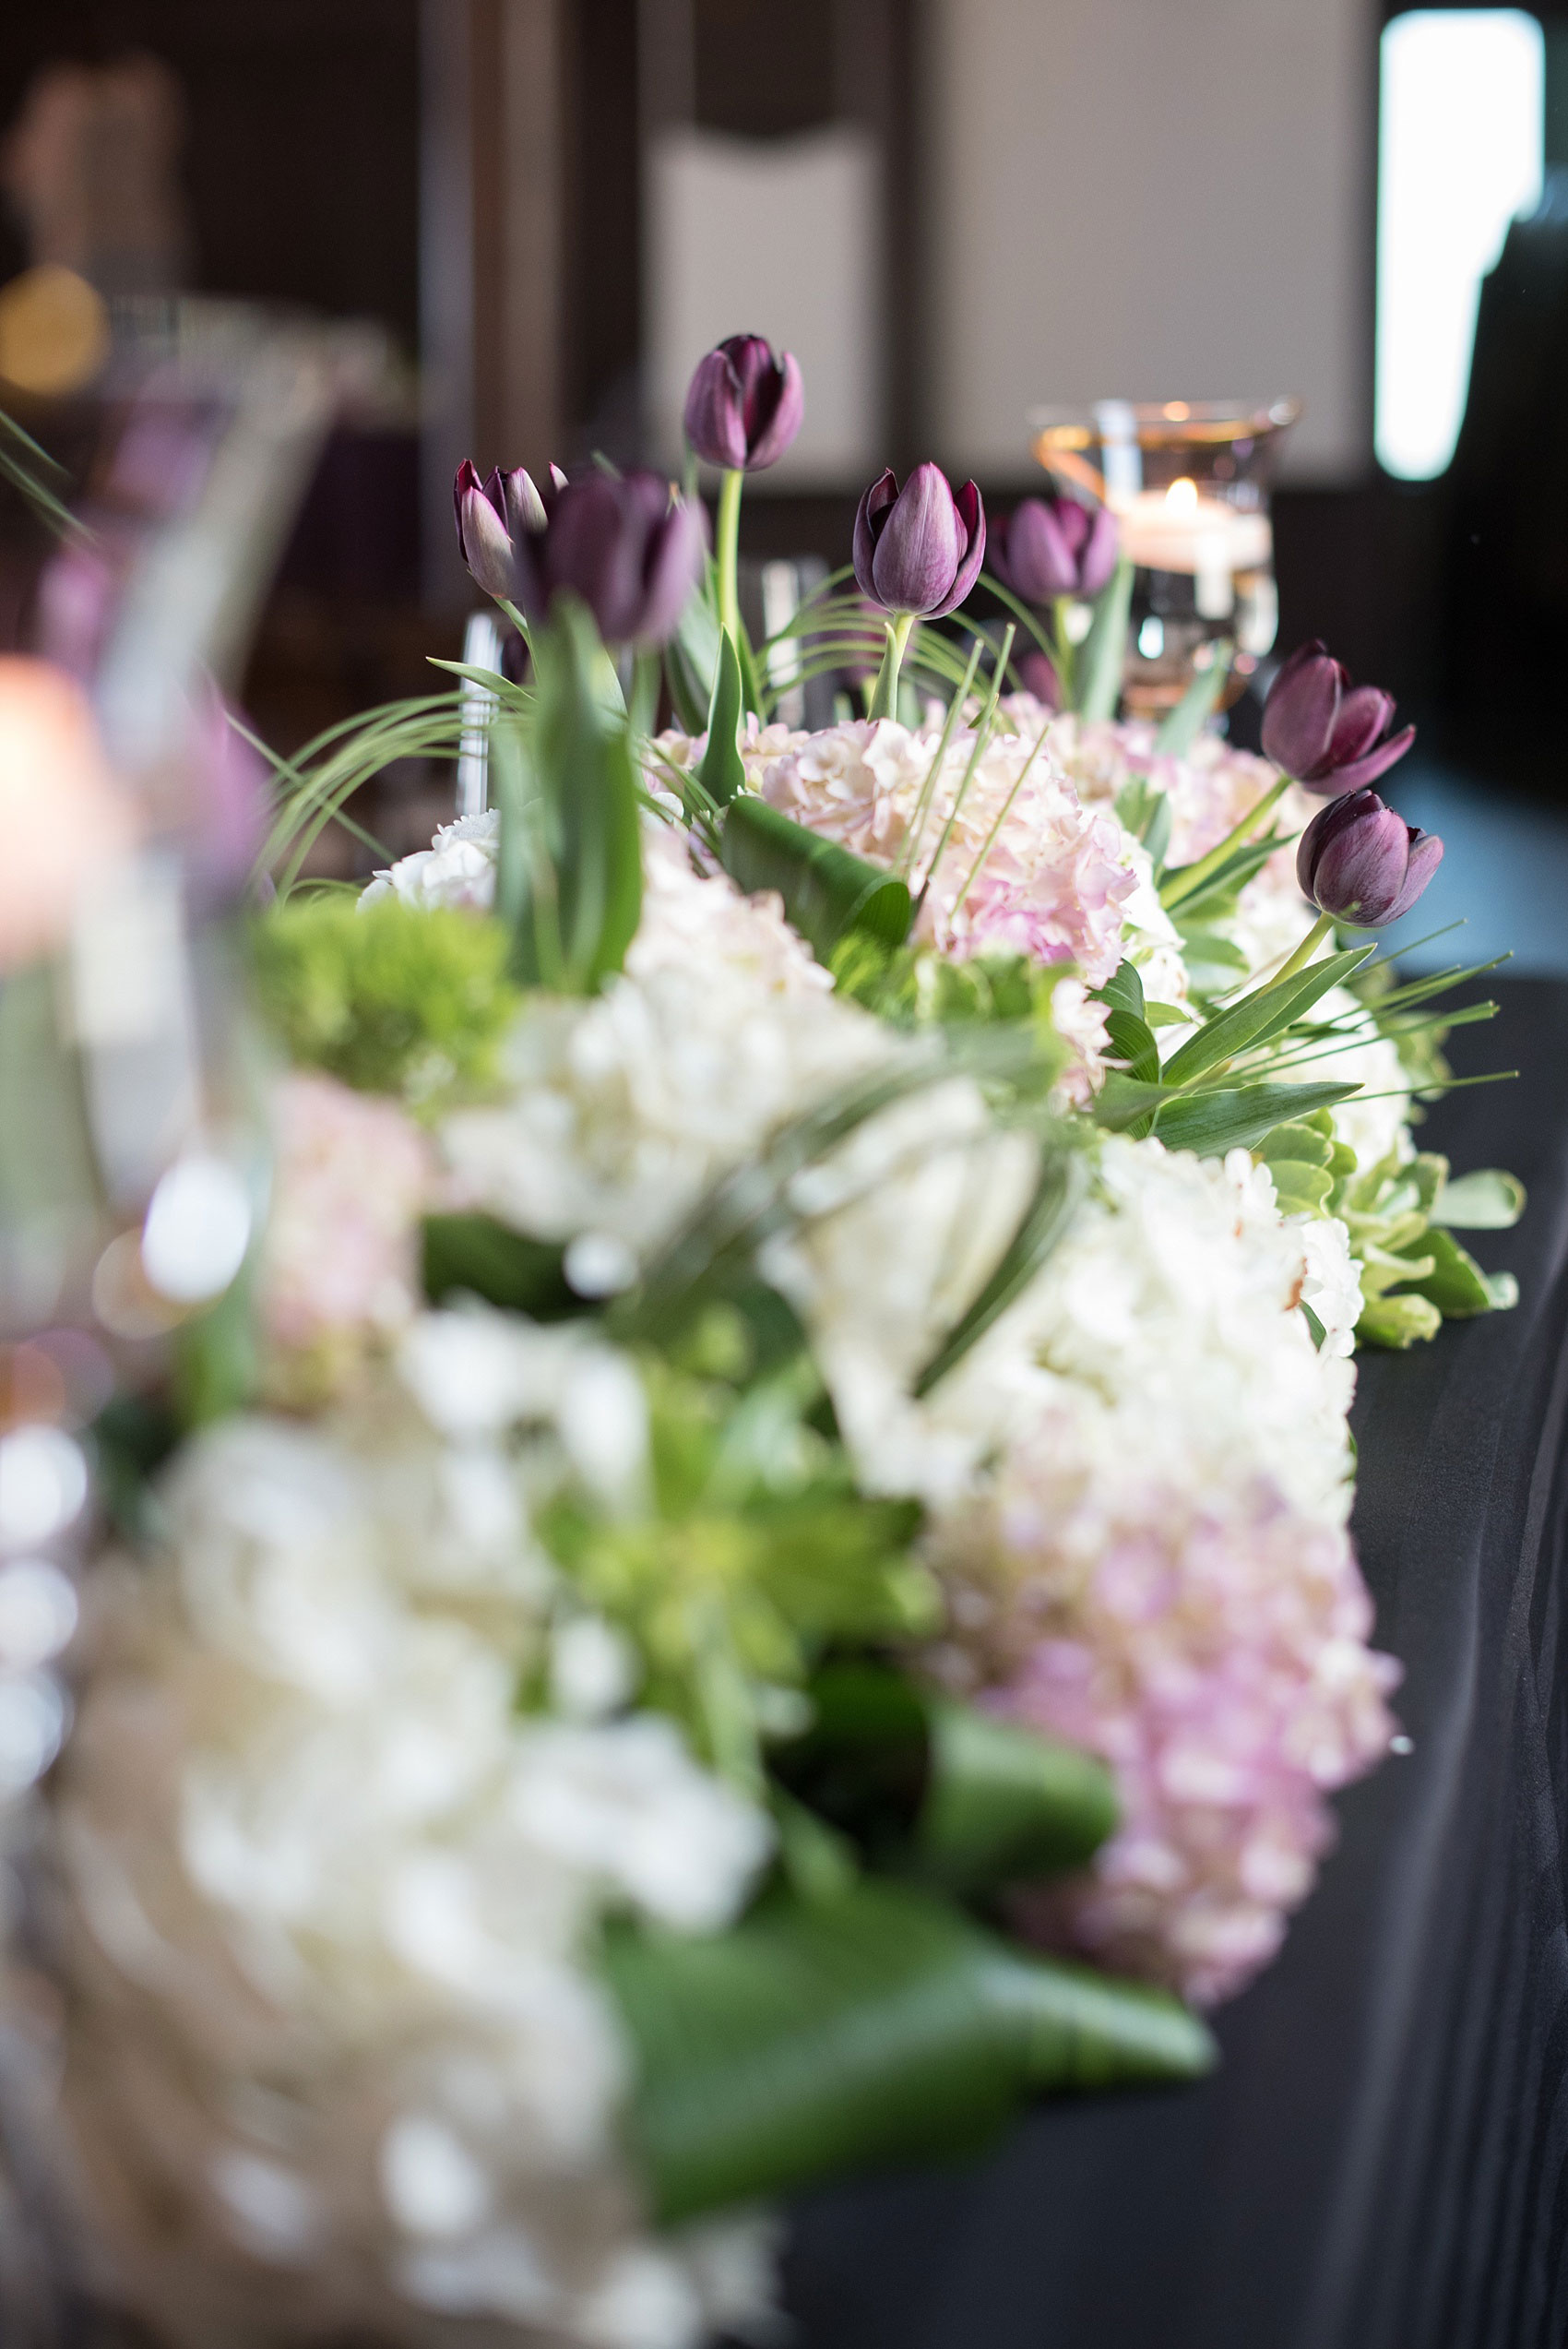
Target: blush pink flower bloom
{"type": "Point", "coordinates": [339, 1273]}
{"type": "Point", "coordinates": [1212, 1652]}
{"type": "Point", "coordinates": [1053, 881]}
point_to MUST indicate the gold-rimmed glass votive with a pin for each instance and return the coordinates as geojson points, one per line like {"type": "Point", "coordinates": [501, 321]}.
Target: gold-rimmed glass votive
{"type": "Point", "coordinates": [1189, 483]}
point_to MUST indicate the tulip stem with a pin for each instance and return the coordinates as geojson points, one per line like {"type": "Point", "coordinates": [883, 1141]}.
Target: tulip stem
{"type": "Point", "coordinates": [726, 550]}
{"type": "Point", "coordinates": [884, 700]}
{"type": "Point", "coordinates": [1183, 880]}
{"type": "Point", "coordinates": [517, 619]}
{"type": "Point", "coordinates": [1063, 655]}
{"type": "Point", "coordinates": [1305, 951]}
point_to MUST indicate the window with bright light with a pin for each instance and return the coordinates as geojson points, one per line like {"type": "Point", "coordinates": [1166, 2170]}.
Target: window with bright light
{"type": "Point", "coordinates": [1460, 140]}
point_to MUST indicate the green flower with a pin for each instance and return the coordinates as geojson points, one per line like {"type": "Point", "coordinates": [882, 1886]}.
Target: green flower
{"type": "Point", "coordinates": [388, 998]}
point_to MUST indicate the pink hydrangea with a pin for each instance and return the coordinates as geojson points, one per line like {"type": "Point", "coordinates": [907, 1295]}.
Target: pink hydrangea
{"type": "Point", "coordinates": [1053, 881]}
{"type": "Point", "coordinates": [1212, 1652]}
{"type": "Point", "coordinates": [340, 1271]}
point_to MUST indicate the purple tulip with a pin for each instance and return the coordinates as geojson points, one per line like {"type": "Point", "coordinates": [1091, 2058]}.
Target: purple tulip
{"type": "Point", "coordinates": [494, 516]}
{"type": "Point", "coordinates": [1361, 862]}
{"type": "Point", "coordinates": [630, 551]}
{"type": "Point", "coordinates": [1053, 546]}
{"type": "Point", "coordinates": [1037, 675]}
{"type": "Point", "coordinates": [744, 405]}
{"type": "Point", "coordinates": [1326, 732]}
{"type": "Point", "coordinates": [918, 549]}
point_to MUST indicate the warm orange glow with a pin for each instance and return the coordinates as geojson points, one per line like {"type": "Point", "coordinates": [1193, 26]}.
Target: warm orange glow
{"type": "Point", "coordinates": [1177, 410]}
{"type": "Point", "coordinates": [62, 816]}
{"type": "Point", "coordinates": [53, 332]}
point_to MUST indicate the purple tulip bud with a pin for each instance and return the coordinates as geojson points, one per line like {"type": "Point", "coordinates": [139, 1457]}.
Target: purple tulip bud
{"type": "Point", "coordinates": [1037, 675]}
{"type": "Point", "coordinates": [1361, 862]}
{"type": "Point", "coordinates": [493, 519]}
{"type": "Point", "coordinates": [630, 551]}
{"type": "Point", "coordinates": [744, 405]}
{"type": "Point", "coordinates": [1054, 546]}
{"type": "Point", "coordinates": [918, 549]}
{"type": "Point", "coordinates": [1326, 732]}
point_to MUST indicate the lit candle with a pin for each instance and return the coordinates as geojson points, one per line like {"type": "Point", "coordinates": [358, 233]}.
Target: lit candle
{"type": "Point", "coordinates": [1180, 529]}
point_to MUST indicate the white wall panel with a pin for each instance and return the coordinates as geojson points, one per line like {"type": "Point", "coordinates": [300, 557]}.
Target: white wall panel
{"type": "Point", "coordinates": [1156, 199]}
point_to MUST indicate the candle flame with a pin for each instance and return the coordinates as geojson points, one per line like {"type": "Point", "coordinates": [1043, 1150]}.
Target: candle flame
{"type": "Point", "coordinates": [1181, 497]}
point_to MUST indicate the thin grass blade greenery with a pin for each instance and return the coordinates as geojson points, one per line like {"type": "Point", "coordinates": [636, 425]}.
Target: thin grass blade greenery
{"type": "Point", "coordinates": [33, 474]}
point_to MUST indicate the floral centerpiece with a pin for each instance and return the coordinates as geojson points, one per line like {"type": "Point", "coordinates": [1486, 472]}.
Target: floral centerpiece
{"type": "Point", "coordinates": [747, 1564]}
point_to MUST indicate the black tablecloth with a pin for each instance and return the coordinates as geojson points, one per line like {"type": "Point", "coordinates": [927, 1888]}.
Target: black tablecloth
{"type": "Point", "coordinates": [1381, 2162]}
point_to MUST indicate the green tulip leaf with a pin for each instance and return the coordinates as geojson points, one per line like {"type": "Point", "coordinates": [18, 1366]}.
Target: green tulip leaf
{"type": "Point", "coordinates": [1003, 1803]}
{"type": "Point", "coordinates": [1197, 705]}
{"type": "Point", "coordinates": [475, 1255]}
{"type": "Point", "coordinates": [1262, 1015]}
{"type": "Point", "coordinates": [722, 773]}
{"type": "Point", "coordinates": [929, 1788]}
{"type": "Point", "coordinates": [1239, 1117]}
{"type": "Point", "coordinates": [691, 662]}
{"type": "Point", "coordinates": [569, 874]}
{"type": "Point", "coordinates": [821, 2037]}
{"type": "Point", "coordinates": [1103, 654]}
{"type": "Point", "coordinates": [827, 891]}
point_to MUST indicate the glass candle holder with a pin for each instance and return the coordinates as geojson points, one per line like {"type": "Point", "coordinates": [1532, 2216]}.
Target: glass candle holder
{"type": "Point", "coordinates": [1189, 483]}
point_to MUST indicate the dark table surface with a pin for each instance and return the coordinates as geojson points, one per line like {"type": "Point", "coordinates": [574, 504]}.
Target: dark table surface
{"type": "Point", "coordinates": [1381, 2160]}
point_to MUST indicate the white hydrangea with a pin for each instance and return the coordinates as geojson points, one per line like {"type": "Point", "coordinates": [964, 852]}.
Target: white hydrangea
{"type": "Point", "coordinates": [457, 869]}
{"type": "Point", "coordinates": [334, 2061]}
{"type": "Point", "coordinates": [1171, 1292]}
{"type": "Point", "coordinates": [623, 1111]}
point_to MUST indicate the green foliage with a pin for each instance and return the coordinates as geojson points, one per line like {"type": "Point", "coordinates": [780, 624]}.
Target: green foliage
{"type": "Point", "coordinates": [926, 1787]}
{"type": "Point", "coordinates": [828, 892]}
{"type": "Point", "coordinates": [722, 773]}
{"type": "Point", "coordinates": [1145, 811]}
{"type": "Point", "coordinates": [475, 1255]}
{"type": "Point", "coordinates": [388, 998]}
{"type": "Point", "coordinates": [569, 885]}
{"type": "Point", "coordinates": [691, 660]}
{"type": "Point", "coordinates": [314, 789]}
{"type": "Point", "coordinates": [31, 471]}
{"type": "Point", "coordinates": [1186, 721]}
{"type": "Point", "coordinates": [1487, 1201]}
{"type": "Point", "coordinates": [917, 987]}
{"type": "Point", "coordinates": [754, 1553]}
{"type": "Point", "coordinates": [132, 1438]}
{"type": "Point", "coordinates": [1415, 1275]}
{"type": "Point", "coordinates": [1102, 656]}
{"type": "Point", "coordinates": [823, 2037]}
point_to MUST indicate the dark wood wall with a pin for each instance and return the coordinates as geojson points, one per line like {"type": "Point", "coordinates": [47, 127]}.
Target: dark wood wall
{"type": "Point", "coordinates": [302, 158]}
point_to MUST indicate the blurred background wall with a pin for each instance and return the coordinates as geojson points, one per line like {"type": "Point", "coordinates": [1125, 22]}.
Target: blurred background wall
{"type": "Point", "coordinates": [1153, 197]}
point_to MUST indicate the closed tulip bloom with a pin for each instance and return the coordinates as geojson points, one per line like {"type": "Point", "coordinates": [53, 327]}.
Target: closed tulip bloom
{"type": "Point", "coordinates": [1037, 675]}
{"type": "Point", "coordinates": [744, 405]}
{"type": "Point", "coordinates": [918, 549]}
{"type": "Point", "coordinates": [630, 551]}
{"type": "Point", "coordinates": [1325, 732]}
{"type": "Point", "coordinates": [494, 516]}
{"type": "Point", "coordinates": [1053, 546]}
{"type": "Point", "coordinates": [1359, 862]}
